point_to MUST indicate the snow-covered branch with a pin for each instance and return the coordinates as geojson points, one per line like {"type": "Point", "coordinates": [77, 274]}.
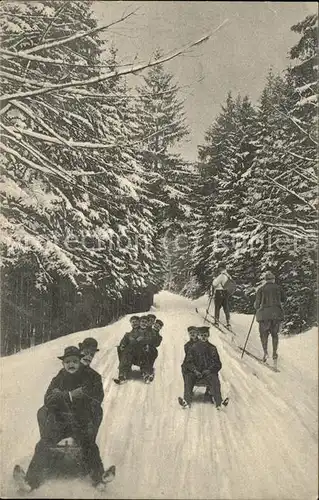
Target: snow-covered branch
{"type": "Point", "coordinates": [75, 36]}
{"type": "Point", "coordinates": [111, 74]}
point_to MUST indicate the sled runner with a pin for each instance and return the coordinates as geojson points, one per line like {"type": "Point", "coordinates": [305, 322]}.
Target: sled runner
{"type": "Point", "coordinates": [66, 461]}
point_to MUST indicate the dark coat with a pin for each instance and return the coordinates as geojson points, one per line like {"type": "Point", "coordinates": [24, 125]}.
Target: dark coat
{"type": "Point", "coordinates": [95, 383]}
{"type": "Point", "coordinates": [57, 397]}
{"type": "Point", "coordinates": [188, 345]}
{"type": "Point", "coordinates": [268, 303]}
{"type": "Point", "coordinates": [202, 356]}
{"type": "Point", "coordinates": [150, 337]}
{"type": "Point", "coordinates": [129, 338]}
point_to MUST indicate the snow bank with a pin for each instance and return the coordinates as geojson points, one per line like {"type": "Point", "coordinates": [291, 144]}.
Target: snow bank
{"type": "Point", "coordinates": [264, 445]}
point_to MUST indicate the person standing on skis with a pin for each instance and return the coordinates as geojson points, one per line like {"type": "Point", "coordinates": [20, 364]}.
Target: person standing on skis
{"type": "Point", "coordinates": [222, 294]}
{"type": "Point", "coordinates": [269, 312]}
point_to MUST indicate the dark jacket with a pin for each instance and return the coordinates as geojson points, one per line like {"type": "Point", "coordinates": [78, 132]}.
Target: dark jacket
{"type": "Point", "coordinates": [150, 337]}
{"type": "Point", "coordinates": [94, 380]}
{"type": "Point", "coordinates": [268, 303]}
{"type": "Point", "coordinates": [57, 397]}
{"type": "Point", "coordinates": [129, 338]}
{"type": "Point", "coordinates": [188, 345]}
{"type": "Point", "coordinates": [202, 356]}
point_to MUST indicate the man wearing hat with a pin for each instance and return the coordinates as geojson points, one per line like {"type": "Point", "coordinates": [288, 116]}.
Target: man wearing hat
{"type": "Point", "coordinates": [269, 312]}
{"type": "Point", "coordinates": [68, 399]}
{"type": "Point", "coordinates": [88, 348]}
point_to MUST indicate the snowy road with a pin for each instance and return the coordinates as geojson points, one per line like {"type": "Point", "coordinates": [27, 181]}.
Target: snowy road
{"type": "Point", "coordinates": [263, 446]}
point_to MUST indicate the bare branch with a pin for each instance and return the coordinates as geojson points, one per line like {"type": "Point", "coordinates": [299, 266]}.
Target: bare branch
{"type": "Point", "coordinates": [109, 75]}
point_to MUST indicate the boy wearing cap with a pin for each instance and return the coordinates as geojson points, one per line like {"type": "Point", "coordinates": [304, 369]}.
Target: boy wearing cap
{"type": "Point", "coordinates": [68, 399]}
{"type": "Point", "coordinates": [88, 349]}
{"type": "Point", "coordinates": [201, 363]}
{"type": "Point", "coordinates": [269, 312]}
{"type": "Point", "coordinates": [151, 320]}
{"type": "Point", "coordinates": [128, 350]}
{"type": "Point", "coordinates": [150, 341]}
{"type": "Point", "coordinates": [192, 332]}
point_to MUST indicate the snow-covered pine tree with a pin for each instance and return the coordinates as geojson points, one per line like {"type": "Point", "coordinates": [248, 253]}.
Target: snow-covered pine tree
{"type": "Point", "coordinates": [278, 199]}
{"type": "Point", "coordinates": [162, 127]}
{"type": "Point", "coordinates": [225, 158]}
{"type": "Point", "coordinates": [73, 215]}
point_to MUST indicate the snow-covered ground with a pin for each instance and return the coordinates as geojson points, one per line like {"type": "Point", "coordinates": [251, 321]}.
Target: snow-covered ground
{"type": "Point", "coordinates": [264, 445]}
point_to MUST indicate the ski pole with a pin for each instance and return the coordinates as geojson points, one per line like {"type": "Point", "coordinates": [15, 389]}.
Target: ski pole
{"type": "Point", "coordinates": [209, 303]}
{"type": "Point", "coordinates": [248, 335]}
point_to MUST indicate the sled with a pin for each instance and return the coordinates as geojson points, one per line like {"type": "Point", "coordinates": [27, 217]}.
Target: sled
{"type": "Point", "coordinates": [66, 459]}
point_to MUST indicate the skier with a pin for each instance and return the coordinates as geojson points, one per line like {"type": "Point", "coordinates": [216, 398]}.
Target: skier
{"type": "Point", "coordinates": [69, 401]}
{"type": "Point", "coordinates": [269, 313]}
{"type": "Point", "coordinates": [201, 364]}
{"type": "Point", "coordinates": [88, 349]}
{"type": "Point", "coordinates": [150, 341]}
{"type": "Point", "coordinates": [222, 294]}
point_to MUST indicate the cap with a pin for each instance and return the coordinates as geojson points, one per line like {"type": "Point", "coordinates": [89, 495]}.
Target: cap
{"type": "Point", "coordinates": [89, 343]}
{"type": "Point", "coordinates": [159, 322]}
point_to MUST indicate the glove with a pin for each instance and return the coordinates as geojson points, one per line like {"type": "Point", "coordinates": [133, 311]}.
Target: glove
{"type": "Point", "coordinates": [56, 392]}
{"type": "Point", "coordinates": [146, 348]}
{"type": "Point", "coordinates": [206, 373]}
{"type": "Point", "coordinates": [77, 393]}
{"type": "Point", "coordinates": [198, 374]}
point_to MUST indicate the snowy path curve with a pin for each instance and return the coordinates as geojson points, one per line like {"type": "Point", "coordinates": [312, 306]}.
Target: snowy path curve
{"type": "Point", "coordinates": [263, 446]}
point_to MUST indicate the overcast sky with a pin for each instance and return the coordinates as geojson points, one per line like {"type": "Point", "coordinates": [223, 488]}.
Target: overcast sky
{"type": "Point", "coordinates": [255, 37]}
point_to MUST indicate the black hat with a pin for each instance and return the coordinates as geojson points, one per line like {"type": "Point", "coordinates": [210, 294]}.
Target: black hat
{"type": "Point", "coordinates": [71, 351]}
{"type": "Point", "coordinates": [89, 343]}
{"type": "Point", "coordinates": [203, 329]}
{"type": "Point", "coordinates": [191, 328]}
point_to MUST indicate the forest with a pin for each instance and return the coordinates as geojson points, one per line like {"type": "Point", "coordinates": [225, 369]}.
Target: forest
{"type": "Point", "coordinates": [99, 211]}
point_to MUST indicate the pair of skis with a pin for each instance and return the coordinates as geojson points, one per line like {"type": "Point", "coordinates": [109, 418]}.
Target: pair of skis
{"type": "Point", "coordinates": [208, 317]}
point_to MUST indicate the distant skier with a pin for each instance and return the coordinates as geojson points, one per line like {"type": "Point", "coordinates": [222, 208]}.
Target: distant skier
{"type": "Point", "coordinates": [269, 312]}
{"type": "Point", "coordinates": [223, 287]}
{"type": "Point", "coordinates": [88, 349]}
{"type": "Point", "coordinates": [69, 401]}
{"type": "Point", "coordinates": [201, 364]}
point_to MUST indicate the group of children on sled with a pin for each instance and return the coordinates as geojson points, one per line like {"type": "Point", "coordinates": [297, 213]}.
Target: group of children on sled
{"type": "Point", "coordinates": [72, 402]}
{"type": "Point", "coordinates": [139, 347]}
